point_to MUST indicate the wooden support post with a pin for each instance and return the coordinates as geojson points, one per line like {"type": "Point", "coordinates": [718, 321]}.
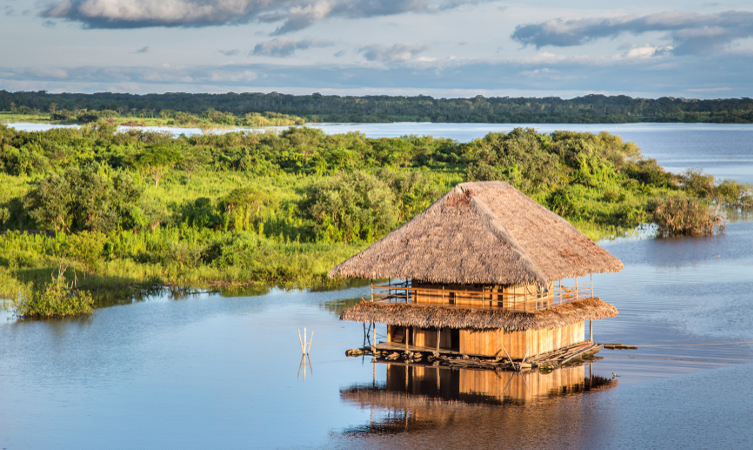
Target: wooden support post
{"type": "Point", "coordinates": [407, 337]}
{"type": "Point", "coordinates": [508, 357]}
{"type": "Point", "coordinates": [372, 289]}
{"type": "Point", "coordinates": [439, 338]}
{"type": "Point", "coordinates": [577, 294]}
{"type": "Point", "coordinates": [591, 329]}
{"type": "Point", "coordinates": [407, 291]}
{"type": "Point", "coordinates": [592, 284]}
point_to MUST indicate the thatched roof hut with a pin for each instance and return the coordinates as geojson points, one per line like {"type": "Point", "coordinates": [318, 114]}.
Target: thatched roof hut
{"type": "Point", "coordinates": [428, 316]}
{"type": "Point", "coordinates": [482, 233]}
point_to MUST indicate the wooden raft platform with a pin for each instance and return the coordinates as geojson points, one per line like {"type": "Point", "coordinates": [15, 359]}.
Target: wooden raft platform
{"type": "Point", "coordinates": [416, 354]}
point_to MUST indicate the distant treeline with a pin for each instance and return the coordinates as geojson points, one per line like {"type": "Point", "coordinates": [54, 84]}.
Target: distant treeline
{"type": "Point", "coordinates": [333, 108]}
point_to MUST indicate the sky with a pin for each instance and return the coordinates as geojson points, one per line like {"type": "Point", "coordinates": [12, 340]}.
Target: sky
{"type": "Point", "coordinates": [441, 48]}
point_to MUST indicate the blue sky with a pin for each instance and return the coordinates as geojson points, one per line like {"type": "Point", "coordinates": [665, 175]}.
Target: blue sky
{"type": "Point", "coordinates": [442, 48]}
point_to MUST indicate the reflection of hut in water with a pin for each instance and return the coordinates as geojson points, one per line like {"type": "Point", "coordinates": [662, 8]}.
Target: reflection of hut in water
{"type": "Point", "coordinates": [430, 396]}
{"type": "Point", "coordinates": [482, 270]}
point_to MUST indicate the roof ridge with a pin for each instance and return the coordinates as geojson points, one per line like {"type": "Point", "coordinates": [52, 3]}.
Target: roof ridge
{"type": "Point", "coordinates": [498, 229]}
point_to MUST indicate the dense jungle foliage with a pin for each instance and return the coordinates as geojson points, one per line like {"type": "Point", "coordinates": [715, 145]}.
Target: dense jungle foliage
{"type": "Point", "coordinates": [333, 108]}
{"type": "Point", "coordinates": [137, 209]}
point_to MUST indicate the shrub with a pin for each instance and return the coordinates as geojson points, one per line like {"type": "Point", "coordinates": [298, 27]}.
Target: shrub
{"type": "Point", "coordinates": [677, 215]}
{"type": "Point", "coordinates": [86, 247]}
{"type": "Point", "coordinates": [56, 299]}
{"type": "Point", "coordinates": [698, 184]}
{"type": "Point", "coordinates": [90, 198]}
{"type": "Point", "coordinates": [561, 202]}
{"type": "Point", "coordinates": [351, 207]}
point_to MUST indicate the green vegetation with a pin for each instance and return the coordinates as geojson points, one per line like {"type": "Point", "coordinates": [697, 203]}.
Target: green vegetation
{"type": "Point", "coordinates": [182, 109]}
{"type": "Point", "coordinates": [208, 119]}
{"type": "Point", "coordinates": [134, 210]}
{"type": "Point", "coordinates": [56, 299]}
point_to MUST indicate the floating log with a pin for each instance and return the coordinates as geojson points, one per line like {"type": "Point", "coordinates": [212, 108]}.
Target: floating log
{"type": "Point", "coordinates": [619, 347]}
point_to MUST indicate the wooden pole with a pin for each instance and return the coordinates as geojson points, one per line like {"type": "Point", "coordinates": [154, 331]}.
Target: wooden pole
{"type": "Point", "coordinates": [508, 356]}
{"type": "Point", "coordinates": [592, 283]}
{"type": "Point", "coordinates": [591, 329]}
{"type": "Point", "coordinates": [301, 341]}
{"type": "Point", "coordinates": [439, 337]}
{"type": "Point", "coordinates": [372, 290]}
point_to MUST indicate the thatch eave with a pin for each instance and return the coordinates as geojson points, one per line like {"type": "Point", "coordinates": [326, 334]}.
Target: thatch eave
{"type": "Point", "coordinates": [437, 316]}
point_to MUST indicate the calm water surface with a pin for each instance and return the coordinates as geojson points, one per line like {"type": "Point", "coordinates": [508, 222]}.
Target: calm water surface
{"type": "Point", "coordinates": [213, 371]}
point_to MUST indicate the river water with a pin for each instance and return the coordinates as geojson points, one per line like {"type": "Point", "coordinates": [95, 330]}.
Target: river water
{"type": "Point", "coordinates": [214, 371]}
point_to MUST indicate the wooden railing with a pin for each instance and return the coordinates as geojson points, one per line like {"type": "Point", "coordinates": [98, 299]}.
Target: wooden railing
{"type": "Point", "coordinates": [532, 299]}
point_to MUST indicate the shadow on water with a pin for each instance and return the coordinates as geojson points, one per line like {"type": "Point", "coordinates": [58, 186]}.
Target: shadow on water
{"type": "Point", "coordinates": [418, 397]}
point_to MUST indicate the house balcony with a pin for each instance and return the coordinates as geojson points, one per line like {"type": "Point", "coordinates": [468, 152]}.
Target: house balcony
{"type": "Point", "coordinates": [514, 298]}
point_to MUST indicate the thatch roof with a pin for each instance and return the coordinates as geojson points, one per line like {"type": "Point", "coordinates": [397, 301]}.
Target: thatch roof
{"type": "Point", "coordinates": [482, 233]}
{"type": "Point", "coordinates": [426, 315]}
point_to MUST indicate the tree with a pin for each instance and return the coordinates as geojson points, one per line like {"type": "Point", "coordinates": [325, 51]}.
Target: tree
{"type": "Point", "coordinates": [89, 198]}
{"type": "Point", "coordinates": [351, 207]}
{"type": "Point", "coordinates": [156, 160]}
{"type": "Point", "coordinates": [246, 206]}
{"type": "Point", "coordinates": [193, 159]}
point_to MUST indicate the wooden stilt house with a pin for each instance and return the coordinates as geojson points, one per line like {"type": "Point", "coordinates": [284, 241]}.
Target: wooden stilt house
{"type": "Point", "coordinates": [480, 272]}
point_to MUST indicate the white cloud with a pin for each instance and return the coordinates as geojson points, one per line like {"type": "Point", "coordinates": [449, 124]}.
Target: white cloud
{"type": "Point", "coordinates": [294, 15]}
{"type": "Point", "coordinates": [282, 46]}
{"type": "Point", "coordinates": [690, 33]}
{"type": "Point", "coordinates": [392, 53]}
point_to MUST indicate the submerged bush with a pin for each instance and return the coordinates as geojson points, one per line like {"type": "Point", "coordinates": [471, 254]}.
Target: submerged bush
{"type": "Point", "coordinates": [56, 299]}
{"type": "Point", "coordinates": [684, 216]}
